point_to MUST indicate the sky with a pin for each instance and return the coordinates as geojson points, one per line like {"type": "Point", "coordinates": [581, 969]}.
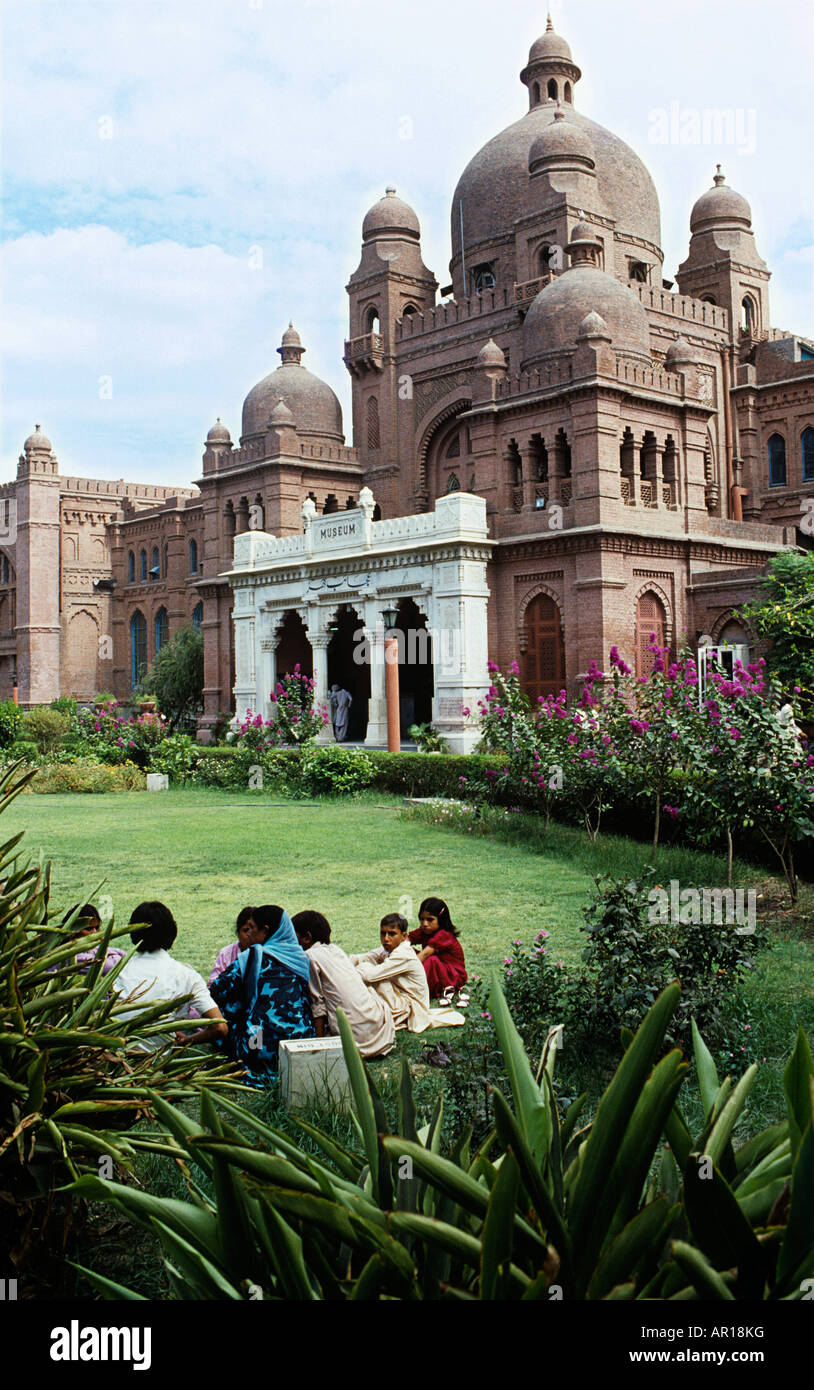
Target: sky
{"type": "Point", "coordinates": [179, 178]}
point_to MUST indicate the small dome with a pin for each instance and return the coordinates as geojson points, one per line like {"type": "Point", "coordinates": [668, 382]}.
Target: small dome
{"type": "Point", "coordinates": [218, 434]}
{"type": "Point", "coordinates": [281, 415]}
{"type": "Point", "coordinates": [491, 355]}
{"type": "Point", "coordinates": [561, 141]}
{"type": "Point", "coordinates": [680, 353]}
{"type": "Point", "coordinates": [720, 206]}
{"type": "Point", "coordinates": [310, 401]}
{"type": "Point", "coordinates": [38, 440]}
{"type": "Point", "coordinates": [550, 45]}
{"type": "Point", "coordinates": [556, 316]}
{"type": "Point", "coordinates": [593, 326]}
{"type": "Point", "coordinates": [391, 216]}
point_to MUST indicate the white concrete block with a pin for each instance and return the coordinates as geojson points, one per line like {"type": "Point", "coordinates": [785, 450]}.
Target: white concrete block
{"type": "Point", "coordinates": [157, 782]}
{"type": "Point", "coordinates": [313, 1072]}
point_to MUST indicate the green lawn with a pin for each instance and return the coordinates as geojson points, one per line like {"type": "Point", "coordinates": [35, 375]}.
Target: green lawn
{"type": "Point", "coordinates": [207, 854]}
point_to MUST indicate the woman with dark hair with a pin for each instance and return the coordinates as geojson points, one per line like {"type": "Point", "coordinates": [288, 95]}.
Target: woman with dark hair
{"type": "Point", "coordinates": [264, 994]}
{"type": "Point", "coordinates": [439, 949]}
{"type": "Point", "coordinates": [153, 975]}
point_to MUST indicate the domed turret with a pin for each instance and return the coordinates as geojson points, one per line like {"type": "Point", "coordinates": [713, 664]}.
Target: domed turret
{"type": "Point", "coordinates": [391, 217]}
{"type": "Point", "coordinates": [681, 354]}
{"type": "Point", "coordinates": [491, 355]}
{"type": "Point", "coordinates": [551, 72]}
{"type": "Point", "coordinates": [38, 440]}
{"type": "Point", "coordinates": [558, 315]}
{"type": "Point", "coordinates": [561, 145]}
{"type": "Point", "coordinates": [218, 434]}
{"type": "Point", "coordinates": [722, 207]}
{"type": "Point", "coordinates": [315, 407]}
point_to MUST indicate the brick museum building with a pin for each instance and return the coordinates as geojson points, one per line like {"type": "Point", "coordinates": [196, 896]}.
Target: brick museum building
{"type": "Point", "coordinates": [643, 446]}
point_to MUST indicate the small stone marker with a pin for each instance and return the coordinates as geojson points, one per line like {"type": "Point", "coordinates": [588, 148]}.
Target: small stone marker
{"type": "Point", "coordinates": [313, 1072]}
{"type": "Point", "coordinates": [157, 782]}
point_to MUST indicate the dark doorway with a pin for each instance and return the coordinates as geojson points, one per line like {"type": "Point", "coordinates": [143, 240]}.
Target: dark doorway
{"type": "Point", "coordinates": [544, 657]}
{"type": "Point", "coordinates": [293, 647]}
{"type": "Point", "coordinates": [352, 675]}
{"type": "Point", "coordinates": [416, 676]}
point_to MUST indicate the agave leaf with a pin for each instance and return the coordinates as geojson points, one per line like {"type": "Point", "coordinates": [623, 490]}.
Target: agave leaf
{"type": "Point", "coordinates": [708, 1082]}
{"type": "Point", "coordinates": [612, 1120]}
{"type": "Point", "coordinates": [547, 1211]}
{"type": "Point", "coordinates": [189, 1221]}
{"type": "Point", "coordinates": [755, 1150]}
{"type": "Point", "coordinates": [285, 1248]}
{"type": "Point", "coordinates": [677, 1134]}
{"type": "Point", "coordinates": [529, 1099]}
{"type": "Point", "coordinates": [645, 1233]}
{"type": "Point", "coordinates": [570, 1118]}
{"type": "Point", "coordinates": [796, 1078]}
{"type": "Point", "coordinates": [798, 1244]}
{"type": "Point", "coordinates": [722, 1129]}
{"type": "Point", "coordinates": [721, 1230]}
{"type": "Point", "coordinates": [407, 1123]}
{"type": "Point", "coordinates": [349, 1164]}
{"type": "Point", "coordinates": [107, 1287]}
{"type": "Point", "coordinates": [707, 1284]}
{"type": "Point", "coordinates": [361, 1097]}
{"type": "Point", "coordinates": [497, 1241]}
{"type": "Point", "coordinates": [194, 1266]}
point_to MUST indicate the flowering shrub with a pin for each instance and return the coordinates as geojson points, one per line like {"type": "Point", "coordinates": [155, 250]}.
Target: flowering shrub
{"type": "Point", "coordinates": [87, 775]}
{"type": "Point", "coordinates": [105, 734]}
{"type": "Point", "coordinates": [295, 720]}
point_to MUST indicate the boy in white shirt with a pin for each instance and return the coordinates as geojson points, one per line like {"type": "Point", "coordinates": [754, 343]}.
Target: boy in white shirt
{"type": "Point", "coordinates": [395, 973]}
{"type": "Point", "coordinates": [153, 975]}
{"type": "Point", "coordinates": [335, 984]}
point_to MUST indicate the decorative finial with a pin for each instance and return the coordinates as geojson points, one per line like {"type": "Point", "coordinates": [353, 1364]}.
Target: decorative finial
{"type": "Point", "coordinates": [549, 27]}
{"type": "Point", "coordinates": [36, 427]}
{"type": "Point", "coordinates": [388, 192]}
{"type": "Point", "coordinates": [719, 177]}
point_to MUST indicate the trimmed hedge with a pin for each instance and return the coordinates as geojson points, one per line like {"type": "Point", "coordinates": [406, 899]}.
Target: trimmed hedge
{"type": "Point", "coordinates": [403, 774]}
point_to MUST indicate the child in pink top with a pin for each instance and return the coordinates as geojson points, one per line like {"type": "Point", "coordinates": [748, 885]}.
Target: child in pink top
{"type": "Point", "coordinates": [232, 951]}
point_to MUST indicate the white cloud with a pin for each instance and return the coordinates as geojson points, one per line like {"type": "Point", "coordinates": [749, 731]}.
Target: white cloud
{"type": "Point", "coordinates": [239, 124]}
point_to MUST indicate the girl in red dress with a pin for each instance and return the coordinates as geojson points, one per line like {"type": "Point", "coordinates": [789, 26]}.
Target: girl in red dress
{"type": "Point", "coordinates": [439, 949]}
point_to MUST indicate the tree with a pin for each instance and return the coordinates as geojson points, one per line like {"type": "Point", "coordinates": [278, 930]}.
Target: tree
{"type": "Point", "coordinates": [785, 614]}
{"type": "Point", "coordinates": [176, 677]}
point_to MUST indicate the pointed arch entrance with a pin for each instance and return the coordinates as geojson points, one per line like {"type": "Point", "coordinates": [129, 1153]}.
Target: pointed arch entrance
{"type": "Point", "coordinates": [293, 647]}
{"type": "Point", "coordinates": [543, 664]}
{"type": "Point", "coordinates": [651, 622]}
{"type": "Point", "coordinates": [416, 672]}
{"type": "Point", "coordinates": [346, 644]}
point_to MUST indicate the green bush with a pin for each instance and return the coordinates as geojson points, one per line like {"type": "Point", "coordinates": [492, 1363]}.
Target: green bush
{"type": "Point", "coordinates": [428, 738]}
{"type": "Point", "coordinates": [69, 1091]}
{"type": "Point", "coordinates": [176, 755]}
{"type": "Point", "coordinates": [65, 704]}
{"type": "Point", "coordinates": [11, 717]}
{"type": "Point", "coordinates": [334, 771]}
{"type": "Point", "coordinates": [87, 775]}
{"type": "Point", "coordinates": [631, 1206]}
{"type": "Point", "coordinates": [46, 728]}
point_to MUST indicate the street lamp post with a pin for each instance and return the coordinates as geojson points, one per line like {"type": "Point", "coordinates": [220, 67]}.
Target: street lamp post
{"type": "Point", "coordinates": [391, 680]}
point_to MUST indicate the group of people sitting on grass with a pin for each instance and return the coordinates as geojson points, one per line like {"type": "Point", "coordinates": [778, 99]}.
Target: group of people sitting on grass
{"type": "Point", "coordinates": [283, 978]}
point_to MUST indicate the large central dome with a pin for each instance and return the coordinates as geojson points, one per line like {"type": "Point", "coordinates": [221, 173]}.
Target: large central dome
{"type": "Point", "coordinates": [494, 189]}
{"type": "Point", "coordinates": [314, 406]}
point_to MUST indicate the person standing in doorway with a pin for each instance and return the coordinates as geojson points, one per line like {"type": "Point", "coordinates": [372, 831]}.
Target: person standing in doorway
{"type": "Point", "coordinates": [341, 701]}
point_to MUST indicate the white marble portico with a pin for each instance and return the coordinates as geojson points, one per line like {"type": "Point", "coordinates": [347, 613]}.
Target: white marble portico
{"type": "Point", "coordinates": [437, 558]}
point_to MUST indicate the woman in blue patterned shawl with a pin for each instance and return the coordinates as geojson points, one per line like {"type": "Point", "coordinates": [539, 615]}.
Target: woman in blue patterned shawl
{"type": "Point", "coordinates": [263, 994]}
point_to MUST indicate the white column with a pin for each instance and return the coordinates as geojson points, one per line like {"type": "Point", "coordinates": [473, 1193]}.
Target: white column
{"type": "Point", "coordinates": [376, 736]}
{"type": "Point", "coordinates": [266, 676]}
{"type": "Point", "coordinates": [319, 646]}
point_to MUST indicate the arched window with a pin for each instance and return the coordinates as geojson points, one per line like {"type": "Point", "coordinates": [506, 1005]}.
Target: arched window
{"type": "Point", "coordinates": [162, 628]}
{"type": "Point", "coordinates": [536, 94]}
{"type": "Point", "coordinates": [350, 505]}
{"type": "Point", "coordinates": [777, 461]}
{"type": "Point", "coordinates": [807, 453]}
{"type": "Point", "coordinates": [193, 557]}
{"type": "Point", "coordinates": [637, 271]}
{"type": "Point", "coordinates": [374, 439]}
{"type": "Point", "coordinates": [552, 89]}
{"type": "Point", "coordinates": [651, 623]}
{"type": "Point", "coordinates": [230, 520]}
{"type": "Point", "coordinates": [138, 645]}
{"type": "Point", "coordinates": [131, 568]}
{"type": "Point", "coordinates": [197, 617]}
{"type": "Point", "coordinates": [566, 91]}
{"type": "Point", "coordinates": [544, 259]}
{"type": "Point", "coordinates": [454, 483]}
{"type": "Point", "coordinates": [408, 311]}
{"type": "Point", "coordinates": [377, 513]}
{"type": "Point", "coordinates": [453, 449]}
{"type": "Point", "coordinates": [331, 505]}
{"type": "Point", "coordinates": [373, 321]}
{"type": "Point", "coordinates": [515, 462]}
{"type": "Point", "coordinates": [748, 315]}
{"type": "Point", "coordinates": [483, 277]}
{"type": "Point", "coordinates": [155, 572]}
{"type": "Point", "coordinates": [142, 561]}
{"type": "Point", "coordinates": [708, 299]}
{"type": "Point", "coordinates": [543, 660]}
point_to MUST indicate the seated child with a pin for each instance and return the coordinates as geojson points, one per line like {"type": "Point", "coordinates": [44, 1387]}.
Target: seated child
{"type": "Point", "coordinates": [231, 952]}
{"type": "Point", "coordinates": [439, 949]}
{"type": "Point", "coordinates": [394, 972]}
{"type": "Point", "coordinates": [86, 924]}
{"type": "Point", "coordinates": [153, 975]}
{"type": "Point", "coordinates": [335, 984]}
